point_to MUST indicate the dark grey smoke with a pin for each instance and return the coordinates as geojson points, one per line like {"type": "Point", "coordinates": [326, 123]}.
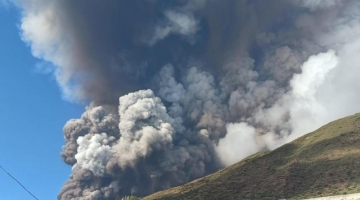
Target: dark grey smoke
{"type": "Point", "coordinates": [180, 88]}
{"type": "Point", "coordinates": [114, 47]}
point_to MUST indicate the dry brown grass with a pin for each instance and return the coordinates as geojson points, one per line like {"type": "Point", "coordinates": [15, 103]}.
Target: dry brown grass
{"type": "Point", "coordinates": [322, 163]}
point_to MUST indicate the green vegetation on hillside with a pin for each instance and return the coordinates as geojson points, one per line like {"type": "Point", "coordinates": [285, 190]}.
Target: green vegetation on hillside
{"type": "Point", "coordinates": [322, 163]}
{"type": "Point", "coordinates": [127, 198]}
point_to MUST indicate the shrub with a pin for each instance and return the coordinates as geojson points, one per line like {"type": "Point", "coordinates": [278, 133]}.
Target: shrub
{"type": "Point", "coordinates": [130, 198]}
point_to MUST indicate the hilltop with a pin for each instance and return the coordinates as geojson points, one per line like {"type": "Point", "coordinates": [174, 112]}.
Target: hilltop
{"type": "Point", "coordinates": [322, 163]}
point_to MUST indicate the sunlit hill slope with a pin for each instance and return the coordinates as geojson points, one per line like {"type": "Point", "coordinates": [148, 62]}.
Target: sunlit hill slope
{"type": "Point", "coordinates": [322, 163]}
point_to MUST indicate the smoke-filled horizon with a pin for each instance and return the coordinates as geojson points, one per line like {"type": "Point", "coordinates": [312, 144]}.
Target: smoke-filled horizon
{"type": "Point", "coordinates": [180, 89]}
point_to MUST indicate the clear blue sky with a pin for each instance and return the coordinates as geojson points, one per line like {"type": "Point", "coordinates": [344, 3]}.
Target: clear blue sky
{"type": "Point", "coordinates": [32, 115]}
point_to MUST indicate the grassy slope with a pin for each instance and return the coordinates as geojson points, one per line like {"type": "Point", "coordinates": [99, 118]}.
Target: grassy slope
{"type": "Point", "coordinates": [322, 163]}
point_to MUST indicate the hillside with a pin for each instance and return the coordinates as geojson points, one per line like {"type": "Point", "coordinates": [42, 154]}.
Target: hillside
{"type": "Point", "coordinates": [322, 163]}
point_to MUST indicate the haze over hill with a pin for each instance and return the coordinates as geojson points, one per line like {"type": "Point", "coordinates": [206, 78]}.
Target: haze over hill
{"type": "Point", "coordinates": [176, 90]}
{"type": "Point", "coordinates": [322, 163]}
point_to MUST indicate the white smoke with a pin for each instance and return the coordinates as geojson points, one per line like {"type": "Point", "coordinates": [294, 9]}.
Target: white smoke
{"type": "Point", "coordinates": [316, 4]}
{"type": "Point", "coordinates": [319, 95]}
{"type": "Point", "coordinates": [176, 23]}
{"type": "Point", "coordinates": [41, 27]}
{"type": "Point", "coordinates": [145, 127]}
{"type": "Point", "coordinates": [94, 121]}
{"type": "Point", "coordinates": [306, 112]}
{"type": "Point", "coordinates": [94, 153]}
{"type": "Point", "coordinates": [240, 141]}
{"type": "Point", "coordinates": [323, 91]}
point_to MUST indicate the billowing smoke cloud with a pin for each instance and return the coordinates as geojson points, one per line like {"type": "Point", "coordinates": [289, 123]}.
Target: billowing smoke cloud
{"type": "Point", "coordinates": [240, 141]}
{"type": "Point", "coordinates": [181, 88]}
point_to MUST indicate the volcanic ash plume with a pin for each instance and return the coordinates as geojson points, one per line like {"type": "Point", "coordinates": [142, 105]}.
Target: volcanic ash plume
{"type": "Point", "coordinates": [181, 88]}
{"type": "Point", "coordinates": [148, 154]}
